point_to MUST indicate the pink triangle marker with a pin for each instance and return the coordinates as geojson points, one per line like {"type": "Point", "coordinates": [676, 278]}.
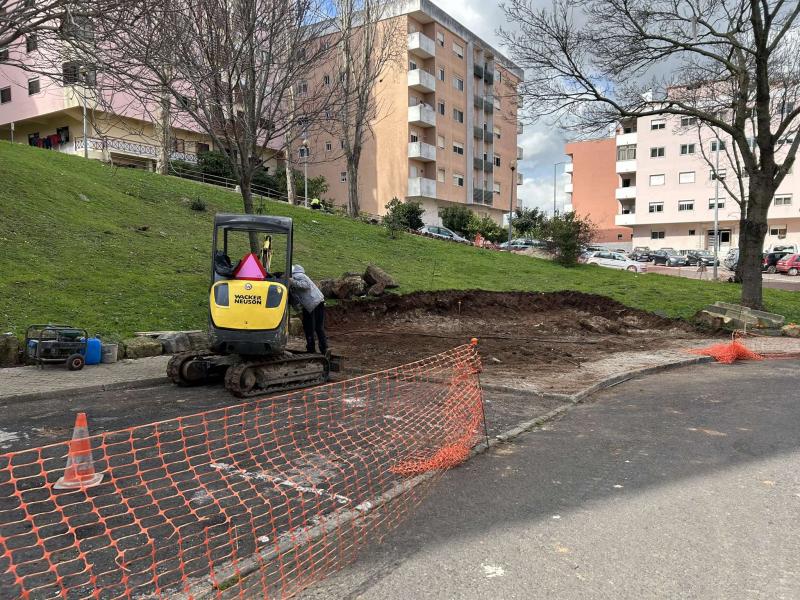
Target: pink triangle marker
{"type": "Point", "coordinates": [250, 268]}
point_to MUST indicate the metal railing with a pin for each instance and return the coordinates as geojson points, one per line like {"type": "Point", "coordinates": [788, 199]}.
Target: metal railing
{"type": "Point", "coordinates": [129, 147]}
{"type": "Point", "coordinates": [228, 183]}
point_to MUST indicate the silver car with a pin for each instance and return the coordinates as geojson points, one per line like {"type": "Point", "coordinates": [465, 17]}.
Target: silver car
{"type": "Point", "coordinates": [615, 260]}
{"type": "Point", "coordinates": [442, 233]}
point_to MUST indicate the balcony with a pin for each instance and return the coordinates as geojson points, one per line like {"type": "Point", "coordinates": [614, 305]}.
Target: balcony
{"type": "Point", "coordinates": [485, 197]}
{"type": "Point", "coordinates": [519, 153]}
{"type": "Point", "coordinates": [626, 220]}
{"type": "Point", "coordinates": [488, 104]}
{"type": "Point", "coordinates": [568, 167]}
{"type": "Point", "coordinates": [478, 132]}
{"type": "Point", "coordinates": [421, 45]}
{"type": "Point", "coordinates": [478, 101]}
{"type": "Point", "coordinates": [488, 77]}
{"type": "Point", "coordinates": [625, 193]}
{"type": "Point", "coordinates": [421, 81]}
{"type": "Point", "coordinates": [488, 166]}
{"type": "Point", "coordinates": [568, 188]}
{"type": "Point", "coordinates": [129, 148]}
{"type": "Point", "coordinates": [520, 178]}
{"type": "Point", "coordinates": [626, 139]}
{"type": "Point", "coordinates": [568, 208]}
{"type": "Point", "coordinates": [477, 163]}
{"type": "Point", "coordinates": [421, 116]}
{"type": "Point", "coordinates": [420, 187]}
{"type": "Point", "coordinates": [478, 70]}
{"type": "Point", "coordinates": [422, 151]}
{"type": "Point", "coordinates": [626, 166]}
{"type": "Point", "coordinates": [520, 128]}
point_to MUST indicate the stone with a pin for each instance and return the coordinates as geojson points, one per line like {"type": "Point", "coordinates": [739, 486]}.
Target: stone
{"type": "Point", "coordinates": [175, 342]}
{"type": "Point", "coordinates": [724, 315]}
{"type": "Point", "coordinates": [326, 287]}
{"type": "Point", "coordinates": [374, 275]}
{"type": "Point", "coordinates": [791, 330]}
{"type": "Point", "coordinates": [376, 290]}
{"type": "Point", "coordinates": [9, 349]}
{"type": "Point", "coordinates": [198, 341]}
{"type": "Point", "coordinates": [141, 347]}
{"type": "Point", "coordinates": [295, 327]}
{"type": "Point", "coordinates": [349, 286]}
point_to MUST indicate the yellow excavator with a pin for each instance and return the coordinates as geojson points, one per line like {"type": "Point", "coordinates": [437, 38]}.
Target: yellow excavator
{"type": "Point", "coordinates": [249, 314]}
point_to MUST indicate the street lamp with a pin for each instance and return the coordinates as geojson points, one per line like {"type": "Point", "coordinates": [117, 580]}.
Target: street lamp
{"type": "Point", "coordinates": [555, 168]}
{"type": "Point", "coordinates": [511, 202]}
{"type": "Point", "coordinates": [716, 210]}
{"type": "Point", "coordinates": [305, 171]}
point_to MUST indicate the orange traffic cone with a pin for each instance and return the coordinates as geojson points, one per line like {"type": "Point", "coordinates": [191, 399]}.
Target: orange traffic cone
{"type": "Point", "coordinates": [80, 464]}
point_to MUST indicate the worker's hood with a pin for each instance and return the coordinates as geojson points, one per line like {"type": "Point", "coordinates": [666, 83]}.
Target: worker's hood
{"type": "Point", "coordinates": [297, 269]}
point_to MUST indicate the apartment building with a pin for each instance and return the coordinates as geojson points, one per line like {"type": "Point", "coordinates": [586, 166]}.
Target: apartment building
{"type": "Point", "coordinates": [447, 131]}
{"type": "Point", "coordinates": [591, 186]}
{"type": "Point", "coordinates": [666, 189]}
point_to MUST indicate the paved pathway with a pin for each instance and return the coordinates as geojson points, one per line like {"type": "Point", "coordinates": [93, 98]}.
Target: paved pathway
{"type": "Point", "coordinates": [679, 485]}
{"type": "Point", "coordinates": [780, 282]}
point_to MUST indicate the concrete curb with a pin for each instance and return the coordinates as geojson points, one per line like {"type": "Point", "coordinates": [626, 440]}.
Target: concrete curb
{"type": "Point", "coordinates": [206, 589]}
{"type": "Point", "coordinates": [89, 389]}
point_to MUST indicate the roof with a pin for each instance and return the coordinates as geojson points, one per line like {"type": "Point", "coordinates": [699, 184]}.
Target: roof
{"type": "Point", "coordinates": [256, 222]}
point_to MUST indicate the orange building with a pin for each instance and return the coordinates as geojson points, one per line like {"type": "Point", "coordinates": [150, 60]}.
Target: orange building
{"type": "Point", "coordinates": [592, 184]}
{"type": "Point", "coordinates": [447, 132]}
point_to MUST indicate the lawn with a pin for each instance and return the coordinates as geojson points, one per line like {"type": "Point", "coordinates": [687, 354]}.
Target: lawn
{"type": "Point", "coordinates": [118, 250]}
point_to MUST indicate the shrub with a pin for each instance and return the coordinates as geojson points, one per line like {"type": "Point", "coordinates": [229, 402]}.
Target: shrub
{"type": "Point", "coordinates": [456, 218]}
{"type": "Point", "coordinates": [527, 221]}
{"type": "Point", "coordinates": [402, 216]}
{"type": "Point", "coordinates": [564, 234]}
{"type": "Point", "coordinates": [198, 204]}
{"type": "Point", "coordinates": [487, 228]}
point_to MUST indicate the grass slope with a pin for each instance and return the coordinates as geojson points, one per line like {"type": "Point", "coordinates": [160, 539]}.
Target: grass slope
{"type": "Point", "coordinates": [72, 252]}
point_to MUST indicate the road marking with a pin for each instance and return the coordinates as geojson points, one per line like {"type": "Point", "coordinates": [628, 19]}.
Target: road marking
{"type": "Point", "coordinates": [708, 431]}
{"type": "Point", "coordinates": [262, 476]}
{"type": "Point", "coordinates": [492, 571]}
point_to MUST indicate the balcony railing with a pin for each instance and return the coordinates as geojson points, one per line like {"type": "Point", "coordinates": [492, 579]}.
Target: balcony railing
{"type": "Point", "coordinates": [485, 197]}
{"type": "Point", "coordinates": [568, 188]}
{"type": "Point", "coordinates": [568, 167]}
{"type": "Point", "coordinates": [625, 220]}
{"type": "Point", "coordinates": [122, 146]}
{"type": "Point", "coordinates": [422, 151]}
{"type": "Point", "coordinates": [626, 166]}
{"type": "Point", "coordinates": [421, 45]}
{"type": "Point", "coordinates": [625, 193]}
{"type": "Point", "coordinates": [422, 115]}
{"type": "Point", "coordinates": [488, 166]}
{"type": "Point", "coordinates": [478, 101]}
{"type": "Point", "coordinates": [627, 139]}
{"type": "Point", "coordinates": [478, 133]}
{"type": "Point", "coordinates": [520, 128]}
{"type": "Point", "coordinates": [421, 81]}
{"type": "Point", "coordinates": [488, 77]}
{"type": "Point", "coordinates": [519, 153]}
{"type": "Point", "coordinates": [421, 187]}
{"type": "Point", "coordinates": [477, 163]}
{"type": "Point", "coordinates": [478, 70]}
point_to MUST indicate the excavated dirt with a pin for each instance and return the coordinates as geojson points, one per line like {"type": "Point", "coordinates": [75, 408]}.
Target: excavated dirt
{"type": "Point", "coordinates": [521, 335]}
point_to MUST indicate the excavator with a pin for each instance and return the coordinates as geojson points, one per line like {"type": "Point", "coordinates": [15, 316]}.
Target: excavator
{"type": "Point", "coordinates": [249, 314]}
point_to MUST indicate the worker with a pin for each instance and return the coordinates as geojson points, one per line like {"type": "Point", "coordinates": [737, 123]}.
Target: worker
{"type": "Point", "coordinates": [306, 296]}
{"type": "Point", "coordinates": [316, 204]}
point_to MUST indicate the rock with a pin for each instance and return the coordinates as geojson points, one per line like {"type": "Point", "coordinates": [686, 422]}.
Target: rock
{"type": "Point", "coordinates": [9, 349]}
{"type": "Point", "coordinates": [723, 315]}
{"type": "Point", "coordinates": [326, 287]}
{"type": "Point", "coordinates": [349, 286]}
{"type": "Point", "coordinates": [376, 290]}
{"type": "Point", "coordinates": [198, 341]}
{"type": "Point", "coordinates": [175, 342]}
{"type": "Point", "coordinates": [791, 330]}
{"type": "Point", "coordinates": [141, 347]}
{"type": "Point", "coordinates": [374, 275]}
{"type": "Point", "coordinates": [295, 326]}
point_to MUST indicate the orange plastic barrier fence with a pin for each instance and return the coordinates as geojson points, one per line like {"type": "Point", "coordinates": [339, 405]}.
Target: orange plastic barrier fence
{"type": "Point", "coordinates": [257, 500]}
{"type": "Point", "coordinates": [728, 352]}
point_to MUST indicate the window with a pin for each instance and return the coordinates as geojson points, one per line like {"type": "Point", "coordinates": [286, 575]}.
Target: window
{"type": "Point", "coordinates": [328, 146]}
{"type": "Point", "coordinates": [343, 176]}
{"type": "Point", "coordinates": [302, 87]}
{"type": "Point", "coordinates": [783, 200]}
{"type": "Point", "coordinates": [496, 131]}
{"type": "Point", "coordinates": [4, 54]}
{"type": "Point", "coordinates": [720, 203]}
{"type": "Point", "coordinates": [341, 144]}
{"type": "Point", "coordinates": [655, 207]}
{"type": "Point", "coordinates": [326, 79]}
{"type": "Point", "coordinates": [31, 43]}
{"type": "Point", "coordinates": [497, 102]}
{"type": "Point", "coordinates": [496, 187]}
{"type": "Point", "coordinates": [199, 146]}
{"type": "Point", "coordinates": [458, 148]}
{"type": "Point", "coordinates": [778, 231]}
{"type": "Point", "coordinates": [656, 180]}
{"type": "Point", "coordinates": [686, 177]}
{"type": "Point", "coordinates": [440, 38]}
{"type": "Point", "coordinates": [496, 160]}
{"type": "Point", "coordinates": [714, 145]}
{"type": "Point", "coordinates": [178, 145]}
{"type": "Point", "coordinates": [691, 232]}
{"type": "Point", "coordinates": [688, 121]}
{"type": "Point", "coordinates": [786, 108]}
{"type": "Point", "coordinates": [33, 86]}
{"type": "Point", "coordinates": [441, 74]}
{"type": "Point", "coordinates": [441, 107]}
{"type": "Point", "coordinates": [412, 65]}
{"type": "Point", "coordinates": [440, 141]}
{"type": "Point", "coordinates": [656, 124]}
{"type": "Point", "coordinates": [458, 50]}
{"type": "Point", "coordinates": [657, 152]}
{"type": "Point", "coordinates": [626, 152]}
{"type": "Point", "coordinates": [458, 179]}
{"type": "Point", "coordinates": [458, 83]}
{"type": "Point", "coordinates": [684, 205]}
{"type": "Point", "coordinates": [5, 95]}
{"type": "Point", "coordinates": [656, 235]}
{"type": "Point", "coordinates": [720, 173]}
{"type": "Point", "coordinates": [414, 137]}
{"type": "Point", "coordinates": [687, 149]}
{"type": "Point", "coordinates": [458, 115]}
{"type": "Point", "coordinates": [440, 175]}
{"type": "Point", "coordinates": [304, 152]}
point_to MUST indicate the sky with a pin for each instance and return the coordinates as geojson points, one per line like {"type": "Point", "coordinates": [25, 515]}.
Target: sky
{"type": "Point", "coordinates": [542, 144]}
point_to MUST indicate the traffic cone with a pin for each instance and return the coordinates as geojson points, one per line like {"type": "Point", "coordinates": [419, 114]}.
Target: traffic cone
{"type": "Point", "coordinates": [80, 464]}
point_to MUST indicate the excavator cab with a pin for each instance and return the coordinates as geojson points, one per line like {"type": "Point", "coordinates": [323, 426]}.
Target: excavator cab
{"type": "Point", "coordinates": [251, 263]}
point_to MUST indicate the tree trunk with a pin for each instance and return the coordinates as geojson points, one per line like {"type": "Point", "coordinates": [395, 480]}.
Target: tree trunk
{"type": "Point", "coordinates": [164, 132]}
{"type": "Point", "coordinates": [751, 243]}
{"type": "Point", "coordinates": [291, 196]}
{"type": "Point", "coordinates": [353, 207]}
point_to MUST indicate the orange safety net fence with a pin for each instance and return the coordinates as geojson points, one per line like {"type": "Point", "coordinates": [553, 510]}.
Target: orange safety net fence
{"type": "Point", "coordinates": [257, 500]}
{"type": "Point", "coordinates": [728, 353]}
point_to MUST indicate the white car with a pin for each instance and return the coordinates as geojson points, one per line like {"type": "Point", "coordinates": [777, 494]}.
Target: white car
{"type": "Point", "coordinates": [615, 260]}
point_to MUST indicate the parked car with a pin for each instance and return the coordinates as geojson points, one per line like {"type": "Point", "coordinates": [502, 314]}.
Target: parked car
{"type": "Point", "coordinates": [770, 261]}
{"type": "Point", "coordinates": [789, 264]}
{"type": "Point", "coordinates": [615, 260]}
{"type": "Point", "coordinates": [695, 257]}
{"type": "Point", "coordinates": [669, 258]}
{"type": "Point", "coordinates": [640, 253]}
{"type": "Point", "coordinates": [442, 233]}
{"type": "Point", "coordinates": [731, 259]}
{"type": "Point", "coordinates": [522, 244]}
{"type": "Point", "coordinates": [584, 256]}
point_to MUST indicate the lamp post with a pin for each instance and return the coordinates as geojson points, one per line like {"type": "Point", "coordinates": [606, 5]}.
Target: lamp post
{"type": "Point", "coordinates": [511, 202]}
{"type": "Point", "coordinates": [555, 168]}
{"type": "Point", "coordinates": [716, 210]}
{"type": "Point", "coordinates": [305, 172]}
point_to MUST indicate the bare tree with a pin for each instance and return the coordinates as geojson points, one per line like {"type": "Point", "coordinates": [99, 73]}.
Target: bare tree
{"type": "Point", "coordinates": [731, 65]}
{"type": "Point", "coordinates": [369, 44]}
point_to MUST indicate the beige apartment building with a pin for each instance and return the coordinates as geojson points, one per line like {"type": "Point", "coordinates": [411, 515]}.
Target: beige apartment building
{"type": "Point", "coordinates": [447, 129]}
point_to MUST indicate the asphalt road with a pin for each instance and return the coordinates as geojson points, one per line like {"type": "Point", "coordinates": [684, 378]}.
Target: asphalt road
{"type": "Point", "coordinates": [680, 485]}
{"type": "Point", "coordinates": [776, 281]}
